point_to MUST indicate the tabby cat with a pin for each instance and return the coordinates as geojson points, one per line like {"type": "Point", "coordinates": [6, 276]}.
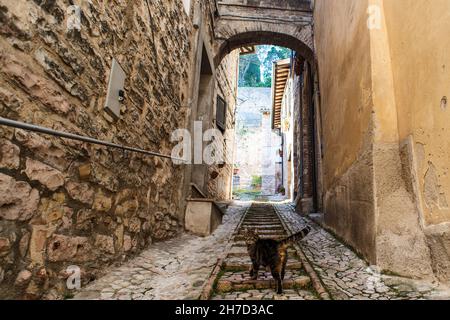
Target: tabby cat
{"type": "Point", "coordinates": [270, 253]}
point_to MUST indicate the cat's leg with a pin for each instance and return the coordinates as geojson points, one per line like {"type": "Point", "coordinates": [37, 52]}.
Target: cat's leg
{"type": "Point", "coordinates": [277, 277]}
{"type": "Point", "coordinates": [254, 271]}
{"type": "Point", "coordinates": [283, 268]}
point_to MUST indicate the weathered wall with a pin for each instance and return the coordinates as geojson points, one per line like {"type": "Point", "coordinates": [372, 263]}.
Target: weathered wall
{"type": "Point", "coordinates": [221, 175]}
{"type": "Point", "coordinates": [282, 23]}
{"type": "Point", "coordinates": [375, 133]}
{"type": "Point", "coordinates": [420, 67]}
{"type": "Point", "coordinates": [63, 202]}
{"type": "Point", "coordinates": [342, 38]}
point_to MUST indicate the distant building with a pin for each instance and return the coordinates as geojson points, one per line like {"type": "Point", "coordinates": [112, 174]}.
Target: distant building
{"type": "Point", "coordinates": [282, 117]}
{"type": "Point", "coordinates": [256, 145]}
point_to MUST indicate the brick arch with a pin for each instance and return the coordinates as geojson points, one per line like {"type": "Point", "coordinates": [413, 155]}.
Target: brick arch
{"type": "Point", "coordinates": [299, 41]}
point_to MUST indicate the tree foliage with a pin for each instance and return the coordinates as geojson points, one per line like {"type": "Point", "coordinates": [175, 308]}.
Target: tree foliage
{"type": "Point", "coordinates": [255, 70]}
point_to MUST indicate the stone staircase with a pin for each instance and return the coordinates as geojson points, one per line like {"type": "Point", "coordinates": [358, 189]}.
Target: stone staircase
{"type": "Point", "coordinates": [234, 282]}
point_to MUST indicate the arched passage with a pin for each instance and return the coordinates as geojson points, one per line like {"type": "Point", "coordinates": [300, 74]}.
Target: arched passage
{"type": "Point", "coordinates": [306, 152]}
{"type": "Point", "coordinates": [251, 38]}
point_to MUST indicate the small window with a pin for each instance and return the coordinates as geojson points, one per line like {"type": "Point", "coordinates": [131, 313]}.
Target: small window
{"type": "Point", "coordinates": [221, 112]}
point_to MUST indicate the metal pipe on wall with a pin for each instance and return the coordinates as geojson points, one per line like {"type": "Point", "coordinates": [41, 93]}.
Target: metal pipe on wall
{"type": "Point", "coordinates": [43, 130]}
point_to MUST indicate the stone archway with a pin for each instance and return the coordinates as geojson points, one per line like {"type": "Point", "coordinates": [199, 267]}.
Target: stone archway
{"type": "Point", "coordinates": [242, 25]}
{"type": "Point", "coordinates": [265, 37]}
{"type": "Point", "coordinates": [284, 23]}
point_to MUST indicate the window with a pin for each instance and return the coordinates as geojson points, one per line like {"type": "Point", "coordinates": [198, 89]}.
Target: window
{"type": "Point", "coordinates": [221, 112]}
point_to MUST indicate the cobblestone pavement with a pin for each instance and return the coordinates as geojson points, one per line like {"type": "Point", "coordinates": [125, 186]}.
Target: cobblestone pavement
{"type": "Point", "coordinates": [174, 269]}
{"type": "Point", "coordinates": [346, 276]}
{"type": "Point", "coordinates": [267, 294]}
{"type": "Point", "coordinates": [179, 268]}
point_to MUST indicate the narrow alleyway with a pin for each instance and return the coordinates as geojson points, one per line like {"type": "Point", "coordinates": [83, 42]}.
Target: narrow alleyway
{"type": "Point", "coordinates": [182, 268]}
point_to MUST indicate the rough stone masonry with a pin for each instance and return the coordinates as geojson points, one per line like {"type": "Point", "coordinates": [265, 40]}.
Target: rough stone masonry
{"type": "Point", "coordinates": [69, 203]}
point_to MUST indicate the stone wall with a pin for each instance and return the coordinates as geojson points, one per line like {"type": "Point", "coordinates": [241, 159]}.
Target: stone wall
{"type": "Point", "coordinates": [346, 115]}
{"type": "Point", "coordinates": [420, 65]}
{"type": "Point", "coordinates": [221, 175]}
{"type": "Point", "coordinates": [376, 170]}
{"type": "Point", "coordinates": [69, 203]}
{"type": "Point", "coordinates": [281, 23]}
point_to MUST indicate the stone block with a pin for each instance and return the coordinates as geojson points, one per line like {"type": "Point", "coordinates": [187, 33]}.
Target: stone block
{"type": "Point", "coordinates": [54, 209]}
{"type": "Point", "coordinates": [9, 155]}
{"type": "Point", "coordinates": [24, 243]}
{"type": "Point", "coordinates": [43, 147]}
{"type": "Point", "coordinates": [5, 246]}
{"type": "Point", "coordinates": [19, 201]}
{"type": "Point", "coordinates": [119, 237]}
{"type": "Point", "coordinates": [202, 216]}
{"type": "Point", "coordinates": [102, 202]}
{"type": "Point", "coordinates": [84, 171]}
{"type": "Point", "coordinates": [104, 243]}
{"type": "Point", "coordinates": [66, 248]}
{"type": "Point", "coordinates": [84, 219]}
{"type": "Point", "coordinates": [46, 175]}
{"type": "Point", "coordinates": [36, 86]}
{"type": "Point", "coordinates": [134, 225]}
{"type": "Point", "coordinates": [23, 278]}
{"type": "Point", "coordinates": [81, 192]}
{"type": "Point", "coordinates": [127, 243]}
{"type": "Point", "coordinates": [37, 243]}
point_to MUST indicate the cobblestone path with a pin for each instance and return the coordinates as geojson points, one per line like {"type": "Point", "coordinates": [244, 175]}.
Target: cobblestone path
{"type": "Point", "coordinates": [171, 270]}
{"type": "Point", "coordinates": [181, 268]}
{"type": "Point", "coordinates": [234, 282]}
{"type": "Point", "coordinates": [346, 276]}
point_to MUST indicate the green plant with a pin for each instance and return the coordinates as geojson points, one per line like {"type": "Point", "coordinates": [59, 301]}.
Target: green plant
{"type": "Point", "coordinates": [256, 181]}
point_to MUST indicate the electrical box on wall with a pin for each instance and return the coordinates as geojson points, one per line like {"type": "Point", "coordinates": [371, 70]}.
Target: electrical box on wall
{"type": "Point", "coordinates": [115, 95]}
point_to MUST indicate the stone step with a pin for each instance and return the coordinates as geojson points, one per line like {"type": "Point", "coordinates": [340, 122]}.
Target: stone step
{"type": "Point", "coordinates": [237, 251]}
{"type": "Point", "coordinates": [239, 244]}
{"type": "Point", "coordinates": [262, 236]}
{"type": "Point", "coordinates": [265, 231]}
{"type": "Point", "coordinates": [261, 223]}
{"type": "Point", "coordinates": [262, 226]}
{"type": "Point", "coordinates": [241, 281]}
{"type": "Point", "coordinates": [246, 224]}
{"type": "Point", "coordinates": [234, 264]}
{"type": "Point", "coordinates": [259, 216]}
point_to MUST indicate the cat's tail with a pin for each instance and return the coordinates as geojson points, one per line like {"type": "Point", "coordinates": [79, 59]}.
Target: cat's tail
{"type": "Point", "coordinates": [296, 237]}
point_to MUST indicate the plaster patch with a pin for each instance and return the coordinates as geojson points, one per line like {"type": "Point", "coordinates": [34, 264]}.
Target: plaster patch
{"type": "Point", "coordinates": [432, 189]}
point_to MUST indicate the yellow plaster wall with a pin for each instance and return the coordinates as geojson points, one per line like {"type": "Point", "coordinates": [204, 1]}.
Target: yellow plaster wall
{"type": "Point", "coordinates": [420, 45]}
{"type": "Point", "coordinates": [342, 44]}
